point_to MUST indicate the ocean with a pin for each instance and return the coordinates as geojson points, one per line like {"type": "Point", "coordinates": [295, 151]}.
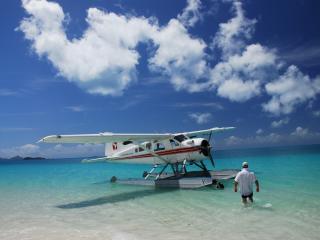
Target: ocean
{"type": "Point", "coordinates": [64, 199]}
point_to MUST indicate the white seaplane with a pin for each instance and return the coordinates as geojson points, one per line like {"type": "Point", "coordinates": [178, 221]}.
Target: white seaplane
{"type": "Point", "coordinates": [177, 150]}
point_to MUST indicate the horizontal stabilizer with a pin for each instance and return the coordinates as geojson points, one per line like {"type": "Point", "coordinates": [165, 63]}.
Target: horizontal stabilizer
{"type": "Point", "coordinates": [95, 160]}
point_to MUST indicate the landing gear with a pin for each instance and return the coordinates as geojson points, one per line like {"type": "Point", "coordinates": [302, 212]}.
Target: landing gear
{"type": "Point", "coordinates": [180, 173]}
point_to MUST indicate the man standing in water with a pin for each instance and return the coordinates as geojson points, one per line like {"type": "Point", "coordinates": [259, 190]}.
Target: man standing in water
{"type": "Point", "coordinates": [246, 179]}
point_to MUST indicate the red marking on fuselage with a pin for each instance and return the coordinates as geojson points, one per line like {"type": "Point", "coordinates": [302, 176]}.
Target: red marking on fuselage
{"type": "Point", "coordinates": [161, 153]}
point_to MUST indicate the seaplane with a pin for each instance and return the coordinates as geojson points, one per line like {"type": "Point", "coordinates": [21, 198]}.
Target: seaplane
{"type": "Point", "coordinates": [163, 151]}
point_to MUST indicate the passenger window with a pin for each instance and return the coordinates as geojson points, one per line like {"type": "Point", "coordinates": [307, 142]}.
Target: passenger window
{"type": "Point", "coordinates": [159, 147]}
{"type": "Point", "coordinates": [148, 146]}
{"type": "Point", "coordinates": [141, 149]}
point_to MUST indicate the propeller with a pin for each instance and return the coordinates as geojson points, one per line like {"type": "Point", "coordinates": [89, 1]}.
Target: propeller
{"type": "Point", "coordinates": [205, 149]}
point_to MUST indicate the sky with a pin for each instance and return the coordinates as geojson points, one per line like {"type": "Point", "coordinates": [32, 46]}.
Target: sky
{"type": "Point", "coordinates": [146, 66]}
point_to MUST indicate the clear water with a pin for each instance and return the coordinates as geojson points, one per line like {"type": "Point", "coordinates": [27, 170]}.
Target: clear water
{"type": "Point", "coordinates": [64, 199]}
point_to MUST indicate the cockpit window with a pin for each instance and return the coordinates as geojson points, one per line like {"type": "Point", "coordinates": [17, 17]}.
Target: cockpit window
{"type": "Point", "coordinates": [173, 143]}
{"type": "Point", "coordinates": [180, 138]}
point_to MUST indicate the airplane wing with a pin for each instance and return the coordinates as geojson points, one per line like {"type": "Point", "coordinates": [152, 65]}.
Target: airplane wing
{"type": "Point", "coordinates": [207, 131]}
{"type": "Point", "coordinates": [122, 137]}
{"type": "Point", "coordinates": [104, 138]}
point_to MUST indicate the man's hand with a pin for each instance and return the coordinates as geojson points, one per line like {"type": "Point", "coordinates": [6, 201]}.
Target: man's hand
{"type": "Point", "coordinates": [257, 186]}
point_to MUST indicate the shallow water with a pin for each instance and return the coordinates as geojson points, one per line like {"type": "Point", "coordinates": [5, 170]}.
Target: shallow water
{"type": "Point", "coordinates": [64, 199]}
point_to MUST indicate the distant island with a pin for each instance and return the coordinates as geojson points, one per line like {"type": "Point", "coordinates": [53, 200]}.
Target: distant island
{"type": "Point", "coordinates": [34, 158]}
{"type": "Point", "coordinates": [23, 158]}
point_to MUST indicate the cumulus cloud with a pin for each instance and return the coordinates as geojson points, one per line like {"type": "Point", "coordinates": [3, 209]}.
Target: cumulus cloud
{"type": "Point", "coordinates": [75, 150]}
{"type": "Point", "coordinates": [241, 76]}
{"type": "Point", "coordinates": [103, 61]}
{"type": "Point", "coordinates": [289, 90]}
{"type": "Point", "coordinates": [281, 122]}
{"type": "Point", "coordinates": [54, 151]}
{"type": "Point", "coordinates": [191, 13]}
{"type": "Point", "coordinates": [259, 131]}
{"type": "Point", "coordinates": [298, 136]}
{"type": "Point", "coordinates": [244, 68]}
{"type": "Point", "coordinates": [300, 132]}
{"type": "Point", "coordinates": [23, 151]}
{"type": "Point", "coordinates": [179, 56]}
{"type": "Point", "coordinates": [200, 118]}
{"type": "Point", "coordinates": [271, 138]}
{"type": "Point", "coordinates": [230, 38]}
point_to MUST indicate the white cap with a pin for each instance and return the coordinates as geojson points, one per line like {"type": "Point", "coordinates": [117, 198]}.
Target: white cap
{"type": "Point", "coordinates": [245, 164]}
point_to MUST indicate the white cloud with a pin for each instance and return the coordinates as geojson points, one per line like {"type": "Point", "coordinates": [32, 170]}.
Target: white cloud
{"type": "Point", "coordinates": [7, 92]}
{"type": "Point", "coordinates": [191, 13]}
{"type": "Point", "coordinates": [179, 56]}
{"type": "Point", "coordinates": [103, 61]}
{"type": "Point", "coordinates": [257, 140]}
{"type": "Point", "coordinates": [200, 118]}
{"type": "Point", "coordinates": [259, 131]}
{"type": "Point", "coordinates": [54, 151]}
{"type": "Point", "coordinates": [213, 105]}
{"type": "Point", "coordinates": [233, 140]}
{"type": "Point", "coordinates": [298, 136]}
{"type": "Point", "coordinates": [281, 122]}
{"type": "Point", "coordinates": [316, 113]}
{"type": "Point", "coordinates": [240, 77]}
{"type": "Point", "coordinates": [76, 108]}
{"type": "Point", "coordinates": [230, 38]}
{"type": "Point", "coordinates": [289, 90]}
{"type": "Point", "coordinates": [75, 150]}
{"type": "Point", "coordinates": [300, 132]}
{"type": "Point", "coordinates": [244, 68]}
{"type": "Point", "coordinates": [23, 151]}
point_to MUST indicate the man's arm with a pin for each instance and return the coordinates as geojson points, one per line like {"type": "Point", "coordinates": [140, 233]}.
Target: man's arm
{"type": "Point", "coordinates": [235, 186]}
{"type": "Point", "coordinates": [257, 186]}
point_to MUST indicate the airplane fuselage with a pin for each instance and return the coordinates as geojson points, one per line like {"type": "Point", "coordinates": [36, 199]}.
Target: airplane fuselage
{"type": "Point", "coordinates": [161, 152]}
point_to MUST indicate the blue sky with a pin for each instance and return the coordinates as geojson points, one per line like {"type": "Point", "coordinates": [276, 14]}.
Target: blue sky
{"type": "Point", "coordinates": [158, 66]}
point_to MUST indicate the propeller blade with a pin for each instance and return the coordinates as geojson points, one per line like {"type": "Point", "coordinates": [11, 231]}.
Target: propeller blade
{"type": "Point", "coordinates": [211, 158]}
{"type": "Point", "coordinates": [210, 137]}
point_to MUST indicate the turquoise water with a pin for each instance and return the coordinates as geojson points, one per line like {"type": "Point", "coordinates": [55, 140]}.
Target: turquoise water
{"type": "Point", "coordinates": [64, 199]}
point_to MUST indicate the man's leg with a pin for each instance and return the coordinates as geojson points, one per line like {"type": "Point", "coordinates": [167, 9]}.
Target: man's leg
{"type": "Point", "coordinates": [251, 197]}
{"type": "Point", "coordinates": [244, 199]}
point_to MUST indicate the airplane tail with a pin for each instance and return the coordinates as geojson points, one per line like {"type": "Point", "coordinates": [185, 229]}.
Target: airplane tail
{"type": "Point", "coordinates": [115, 147]}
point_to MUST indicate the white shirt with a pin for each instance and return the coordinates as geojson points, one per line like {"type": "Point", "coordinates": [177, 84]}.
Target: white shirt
{"type": "Point", "coordinates": [245, 180]}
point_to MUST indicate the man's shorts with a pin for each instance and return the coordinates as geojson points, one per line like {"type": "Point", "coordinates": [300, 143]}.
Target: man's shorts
{"type": "Point", "coordinates": [247, 196]}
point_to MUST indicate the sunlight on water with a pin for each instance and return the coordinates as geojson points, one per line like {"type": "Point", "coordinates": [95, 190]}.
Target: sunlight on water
{"type": "Point", "coordinates": [63, 199]}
